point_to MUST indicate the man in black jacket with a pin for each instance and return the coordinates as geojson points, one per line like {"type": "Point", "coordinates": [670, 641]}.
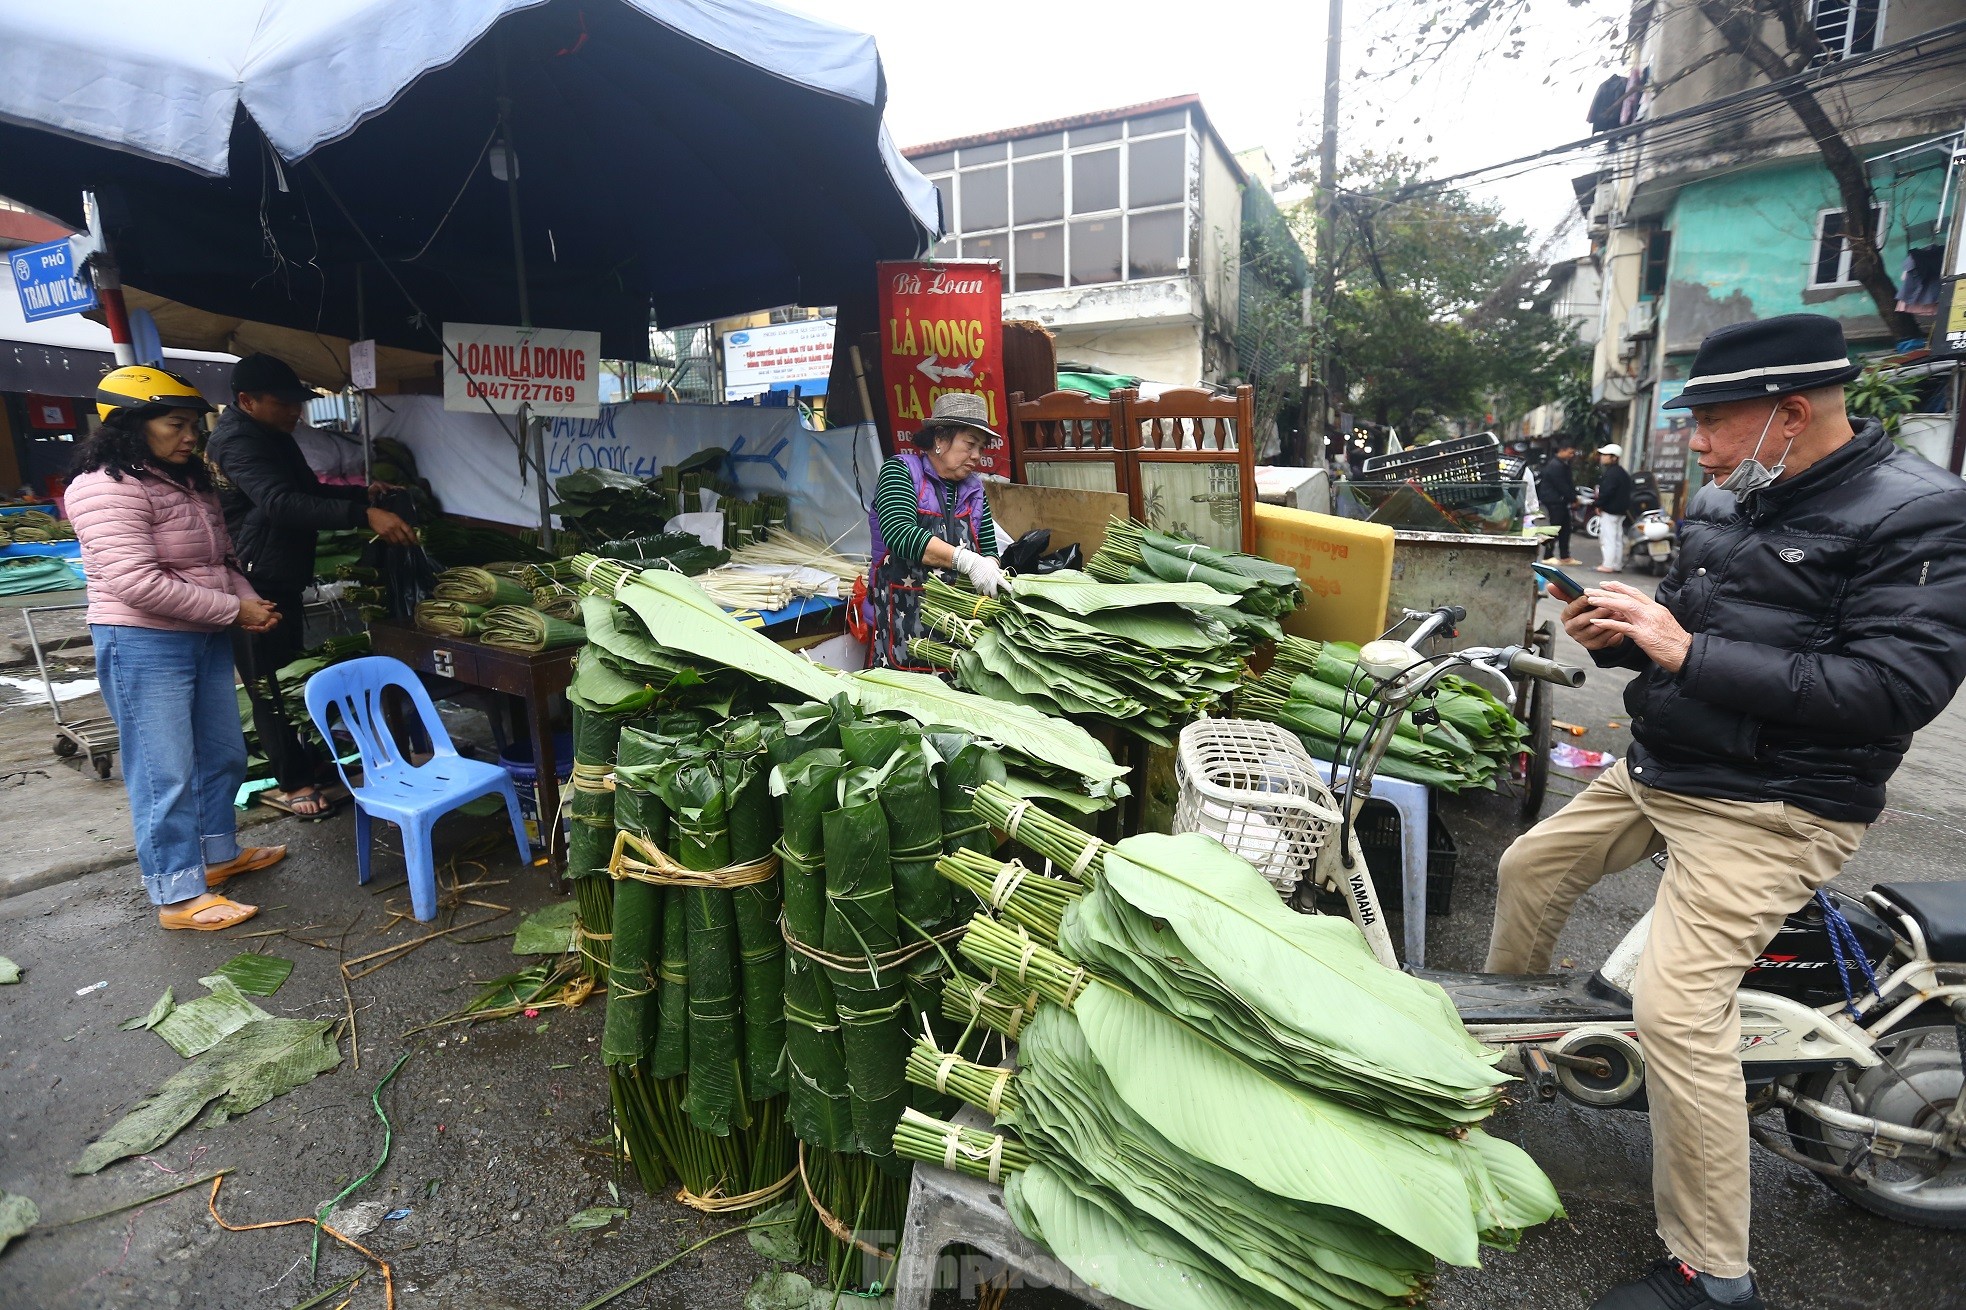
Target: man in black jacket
{"type": "Point", "coordinates": [1556, 487]}
{"type": "Point", "coordinates": [1614, 503]}
{"type": "Point", "coordinates": [1815, 620]}
{"type": "Point", "coordinates": [274, 506]}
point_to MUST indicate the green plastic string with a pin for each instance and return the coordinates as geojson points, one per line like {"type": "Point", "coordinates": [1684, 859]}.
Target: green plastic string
{"type": "Point", "coordinates": [388, 1134]}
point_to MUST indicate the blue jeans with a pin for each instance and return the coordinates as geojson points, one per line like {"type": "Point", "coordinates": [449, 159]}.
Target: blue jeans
{"type": "Point", "coordinates": [184, 753]}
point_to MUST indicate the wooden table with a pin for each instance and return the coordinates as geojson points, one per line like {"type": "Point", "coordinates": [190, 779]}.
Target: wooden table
{"type": "Point", "coordinates": [536, 680]}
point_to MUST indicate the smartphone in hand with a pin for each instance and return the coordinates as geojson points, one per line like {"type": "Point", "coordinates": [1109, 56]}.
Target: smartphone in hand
{"type": "Point", "coordinates": [1558, 583]}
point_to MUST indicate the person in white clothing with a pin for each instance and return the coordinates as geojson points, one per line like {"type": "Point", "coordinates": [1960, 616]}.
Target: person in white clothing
{"type": "Point", "coordinates": [1614, 502]}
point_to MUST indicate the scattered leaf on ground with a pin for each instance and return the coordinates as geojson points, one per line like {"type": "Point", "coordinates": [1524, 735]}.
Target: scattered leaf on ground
{"type": "Point", "coordinates": [17, 1215]}
{"type": "Point", "coordinates": [265, 1059]}
{"type": "Point", "coordinates": [779, 1242]}
{"type": "Point", "coordinates": [9, 971]}
{"type": "Point", "coordinates": [779, 1290]}
{"type": "Point", "coordinates": [546, 932]}
{"type": "Point", "coordinates": [158, 1013]}
{"type": "Point", "coordinates": [197, 1026]}
{"type": "Point", "coordinates": [257, 975]}
{"type": "Point", "coordinates": [596, 1216]}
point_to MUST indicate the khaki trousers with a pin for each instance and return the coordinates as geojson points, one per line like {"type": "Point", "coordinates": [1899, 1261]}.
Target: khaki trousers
{"type": "Point", "coordinates": [1735, 870]}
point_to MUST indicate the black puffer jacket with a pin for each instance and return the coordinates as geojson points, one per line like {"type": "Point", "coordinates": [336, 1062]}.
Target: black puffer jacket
{"type": "Point", "coordinates": [274, 505]}
{"type": "Point", "coordinates": [1829, 625]}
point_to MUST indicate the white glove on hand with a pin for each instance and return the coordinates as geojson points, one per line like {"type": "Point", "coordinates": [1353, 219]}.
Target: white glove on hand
{"type": "Point", "coordinates": [983, 572]}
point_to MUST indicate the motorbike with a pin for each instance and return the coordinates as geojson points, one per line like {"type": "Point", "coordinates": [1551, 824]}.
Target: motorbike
{"type": "Point", "coordinates": [1853, 1019]}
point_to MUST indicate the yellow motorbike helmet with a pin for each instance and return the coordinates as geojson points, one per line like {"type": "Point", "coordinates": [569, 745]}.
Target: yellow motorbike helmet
{"type": "Point", "coordinates": [139, 385]}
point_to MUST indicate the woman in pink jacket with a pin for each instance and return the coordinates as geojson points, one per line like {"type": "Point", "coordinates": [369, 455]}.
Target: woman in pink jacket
{"type": "Point", "coordinates": [163, 591]}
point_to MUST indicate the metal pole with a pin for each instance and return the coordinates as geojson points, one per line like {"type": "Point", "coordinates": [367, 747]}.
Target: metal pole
{"type": "Point", "coordinates": [362, 334]}
{"type": "Point", "coordinates": [1327, 227]}
{"type": "Point", "coordinates": [531, 425]}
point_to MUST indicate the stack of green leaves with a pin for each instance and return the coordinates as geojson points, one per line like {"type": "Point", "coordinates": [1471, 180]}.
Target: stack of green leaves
{"type": "Point", "coordinates": [867, 807]}
{"type": "Point", "coordinates": [590, 832]}
{"type": "Point", "coordinates": [521, 627]}
{"type": "Point", "coordinates": [1134, 552]}
{"type": "Point", "coordinates": [458, 544]}
{"type": "Point", "coordinates": [1316, 690]}
{"type": "Point", "coordinates": [694, 1034]}
{"type": "Point", "coordinates": [683, 552]}
{"type": "Point", "coordinates": [476, 586]}
{"type": "Point", "coordinates": [449, 618]}
{"type": "Point", "coordinates": [603, 505]}
{"type": "Point", "coordinates": [1045, 756]}
{"type": "Point", "coordinates": [1145, 656]}
{"type": "Point", "coordinates": [1220, 1085]}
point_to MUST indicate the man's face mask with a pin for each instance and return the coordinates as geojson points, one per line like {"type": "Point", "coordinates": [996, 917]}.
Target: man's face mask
{"type": "Point", "coordinates": [1751, 475]}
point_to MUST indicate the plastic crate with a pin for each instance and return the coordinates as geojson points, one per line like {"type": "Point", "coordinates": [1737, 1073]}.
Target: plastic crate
{"type": "Point", "coordinates": [1440, 463]}
{"type": "Point", "coordinates": [1377, 827]}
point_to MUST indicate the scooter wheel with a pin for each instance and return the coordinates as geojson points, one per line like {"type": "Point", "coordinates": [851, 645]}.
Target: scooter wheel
{"type": "Point", "coordinates": [1918, 1081]}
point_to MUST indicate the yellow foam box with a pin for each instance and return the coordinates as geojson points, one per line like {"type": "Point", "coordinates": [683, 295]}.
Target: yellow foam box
{"type": "Point", "coordinates": [1346, 568]}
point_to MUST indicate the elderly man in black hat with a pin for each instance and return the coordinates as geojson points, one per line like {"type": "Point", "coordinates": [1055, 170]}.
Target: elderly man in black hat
{"type": "Point", "coordinates": [274, 508]}
{"type": "Point", "coordinates": [1815, 620]}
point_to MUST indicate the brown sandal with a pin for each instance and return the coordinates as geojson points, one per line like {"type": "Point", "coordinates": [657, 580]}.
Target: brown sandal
{"type": "Point", "coordinates": [249, 860]}
{"type": "Point", "coordinates": [185, 914]}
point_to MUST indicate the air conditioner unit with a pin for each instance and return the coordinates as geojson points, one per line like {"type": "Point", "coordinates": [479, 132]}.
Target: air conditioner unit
{"type": "Point", "coordinates": [1643, 320]}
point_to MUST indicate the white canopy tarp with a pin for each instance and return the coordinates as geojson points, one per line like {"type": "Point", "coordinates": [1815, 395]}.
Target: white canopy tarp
{"type": "Point", "coordinates": [164, 78]}
{"type": "Point", "coordinates": [470, 462]}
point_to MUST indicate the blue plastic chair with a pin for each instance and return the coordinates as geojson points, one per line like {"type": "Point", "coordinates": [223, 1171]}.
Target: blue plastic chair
{"type": "Point", "coordinates": [411, 796]}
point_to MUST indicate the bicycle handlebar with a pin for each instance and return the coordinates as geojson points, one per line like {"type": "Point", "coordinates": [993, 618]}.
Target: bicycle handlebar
{"type": "Point", "coordinates": [1529, 664]}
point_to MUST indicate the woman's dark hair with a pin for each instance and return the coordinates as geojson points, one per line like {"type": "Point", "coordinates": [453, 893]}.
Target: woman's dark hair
{"type": "Point", "coordinates": [118, 447]}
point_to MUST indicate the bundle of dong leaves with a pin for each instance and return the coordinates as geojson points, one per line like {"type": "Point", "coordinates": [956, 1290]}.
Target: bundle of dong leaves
{"type": "Point", "coordinates": [1146, 656]}
{"type": "Point", "coordinates": [749, 1007]}
{"type": "Point", "coordinates": [704, 653]}
{"type": "Point", "coordinates": [1217, 1101]}
{"type": "Point", "coordinates": [1265, 589]}
{"type": "Point", "coordinates": [870, 780]}
{"type": "Point", "coordinates": [1316, 690]}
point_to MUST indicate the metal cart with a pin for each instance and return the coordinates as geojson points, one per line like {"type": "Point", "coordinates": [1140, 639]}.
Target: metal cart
{"type": "Point", "coordinates": [94, 738]}
{"type": "Point", "coordinates": [1491, 578]}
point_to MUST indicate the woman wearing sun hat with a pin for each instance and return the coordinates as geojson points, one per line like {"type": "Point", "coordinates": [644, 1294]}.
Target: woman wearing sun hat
{"type": "Point", "coordinates": [930, 515]}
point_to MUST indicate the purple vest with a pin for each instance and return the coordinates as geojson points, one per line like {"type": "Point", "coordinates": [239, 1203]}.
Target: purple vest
{"type": "Point", "coordinates": [968, 506]}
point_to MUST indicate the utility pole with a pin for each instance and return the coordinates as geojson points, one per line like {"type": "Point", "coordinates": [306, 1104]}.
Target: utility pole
{"type": "Point", "coordinates": [1327, 228]}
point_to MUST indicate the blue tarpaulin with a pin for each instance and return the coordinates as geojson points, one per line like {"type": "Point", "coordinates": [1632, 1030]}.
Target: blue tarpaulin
{"type": "Point", "coordinates": [277, 160]}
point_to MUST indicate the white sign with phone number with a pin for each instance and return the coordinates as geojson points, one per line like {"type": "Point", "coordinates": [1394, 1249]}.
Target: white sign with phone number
{"type": "Point", "coordinates": [550, 371]}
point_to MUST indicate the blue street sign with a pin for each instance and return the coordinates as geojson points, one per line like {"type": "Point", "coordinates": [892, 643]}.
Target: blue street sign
{"type": "Point", "coordinates": [45, 278]}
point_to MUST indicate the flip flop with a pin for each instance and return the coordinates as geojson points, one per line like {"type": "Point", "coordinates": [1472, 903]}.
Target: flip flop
{"type": "Point", "coordinates": [285, 804]}
{"type": "Point", "coordinates": [186, 914]}
{"type": "Point", "coordinates": [250, 860]}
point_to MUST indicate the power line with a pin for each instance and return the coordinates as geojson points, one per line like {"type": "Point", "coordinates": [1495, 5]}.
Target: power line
{"type": "Point", "coordinates": [1687, 123]}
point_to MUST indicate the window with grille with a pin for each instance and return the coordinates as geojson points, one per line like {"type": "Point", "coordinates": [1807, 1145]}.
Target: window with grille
{"type": "Point", "coordinates": [1830, 264]}
{"type": "Point", "coordinates": [1848, 27]}
{"type": "Point", "coordinates": [1099, 204]}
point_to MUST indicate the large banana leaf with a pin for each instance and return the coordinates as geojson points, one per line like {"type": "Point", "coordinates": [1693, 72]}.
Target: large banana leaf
{"type": "Point", "coordinates": [1282, 1138]}
{"type": "Point", "coordinates": [1313, 974]}
{"type": "Point", "coordinates": [1047, 740]}
{"type": "Point", "coordinates": [1300, 1252]}
{"type": "Point", "coordinates": [684, 619]}
{"type": "Point", "coordinates": [1125, 1255]}
{"type": "Point", "coordinates": [1081, 593]}
{"type": "Point", "coordinates": [264, 1059]}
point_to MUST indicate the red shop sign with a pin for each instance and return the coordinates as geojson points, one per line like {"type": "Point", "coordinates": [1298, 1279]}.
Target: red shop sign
{"type": "Point", "coordinates": [942, 331]}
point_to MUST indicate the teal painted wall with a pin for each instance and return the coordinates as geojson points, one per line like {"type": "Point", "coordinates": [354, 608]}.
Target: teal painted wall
{"type": "Point", "coordinates": [1743, 245]}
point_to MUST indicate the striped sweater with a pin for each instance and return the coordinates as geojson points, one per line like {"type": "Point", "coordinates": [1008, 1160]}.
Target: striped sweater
{"type": "Point", "coordinates": [894, 505]}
